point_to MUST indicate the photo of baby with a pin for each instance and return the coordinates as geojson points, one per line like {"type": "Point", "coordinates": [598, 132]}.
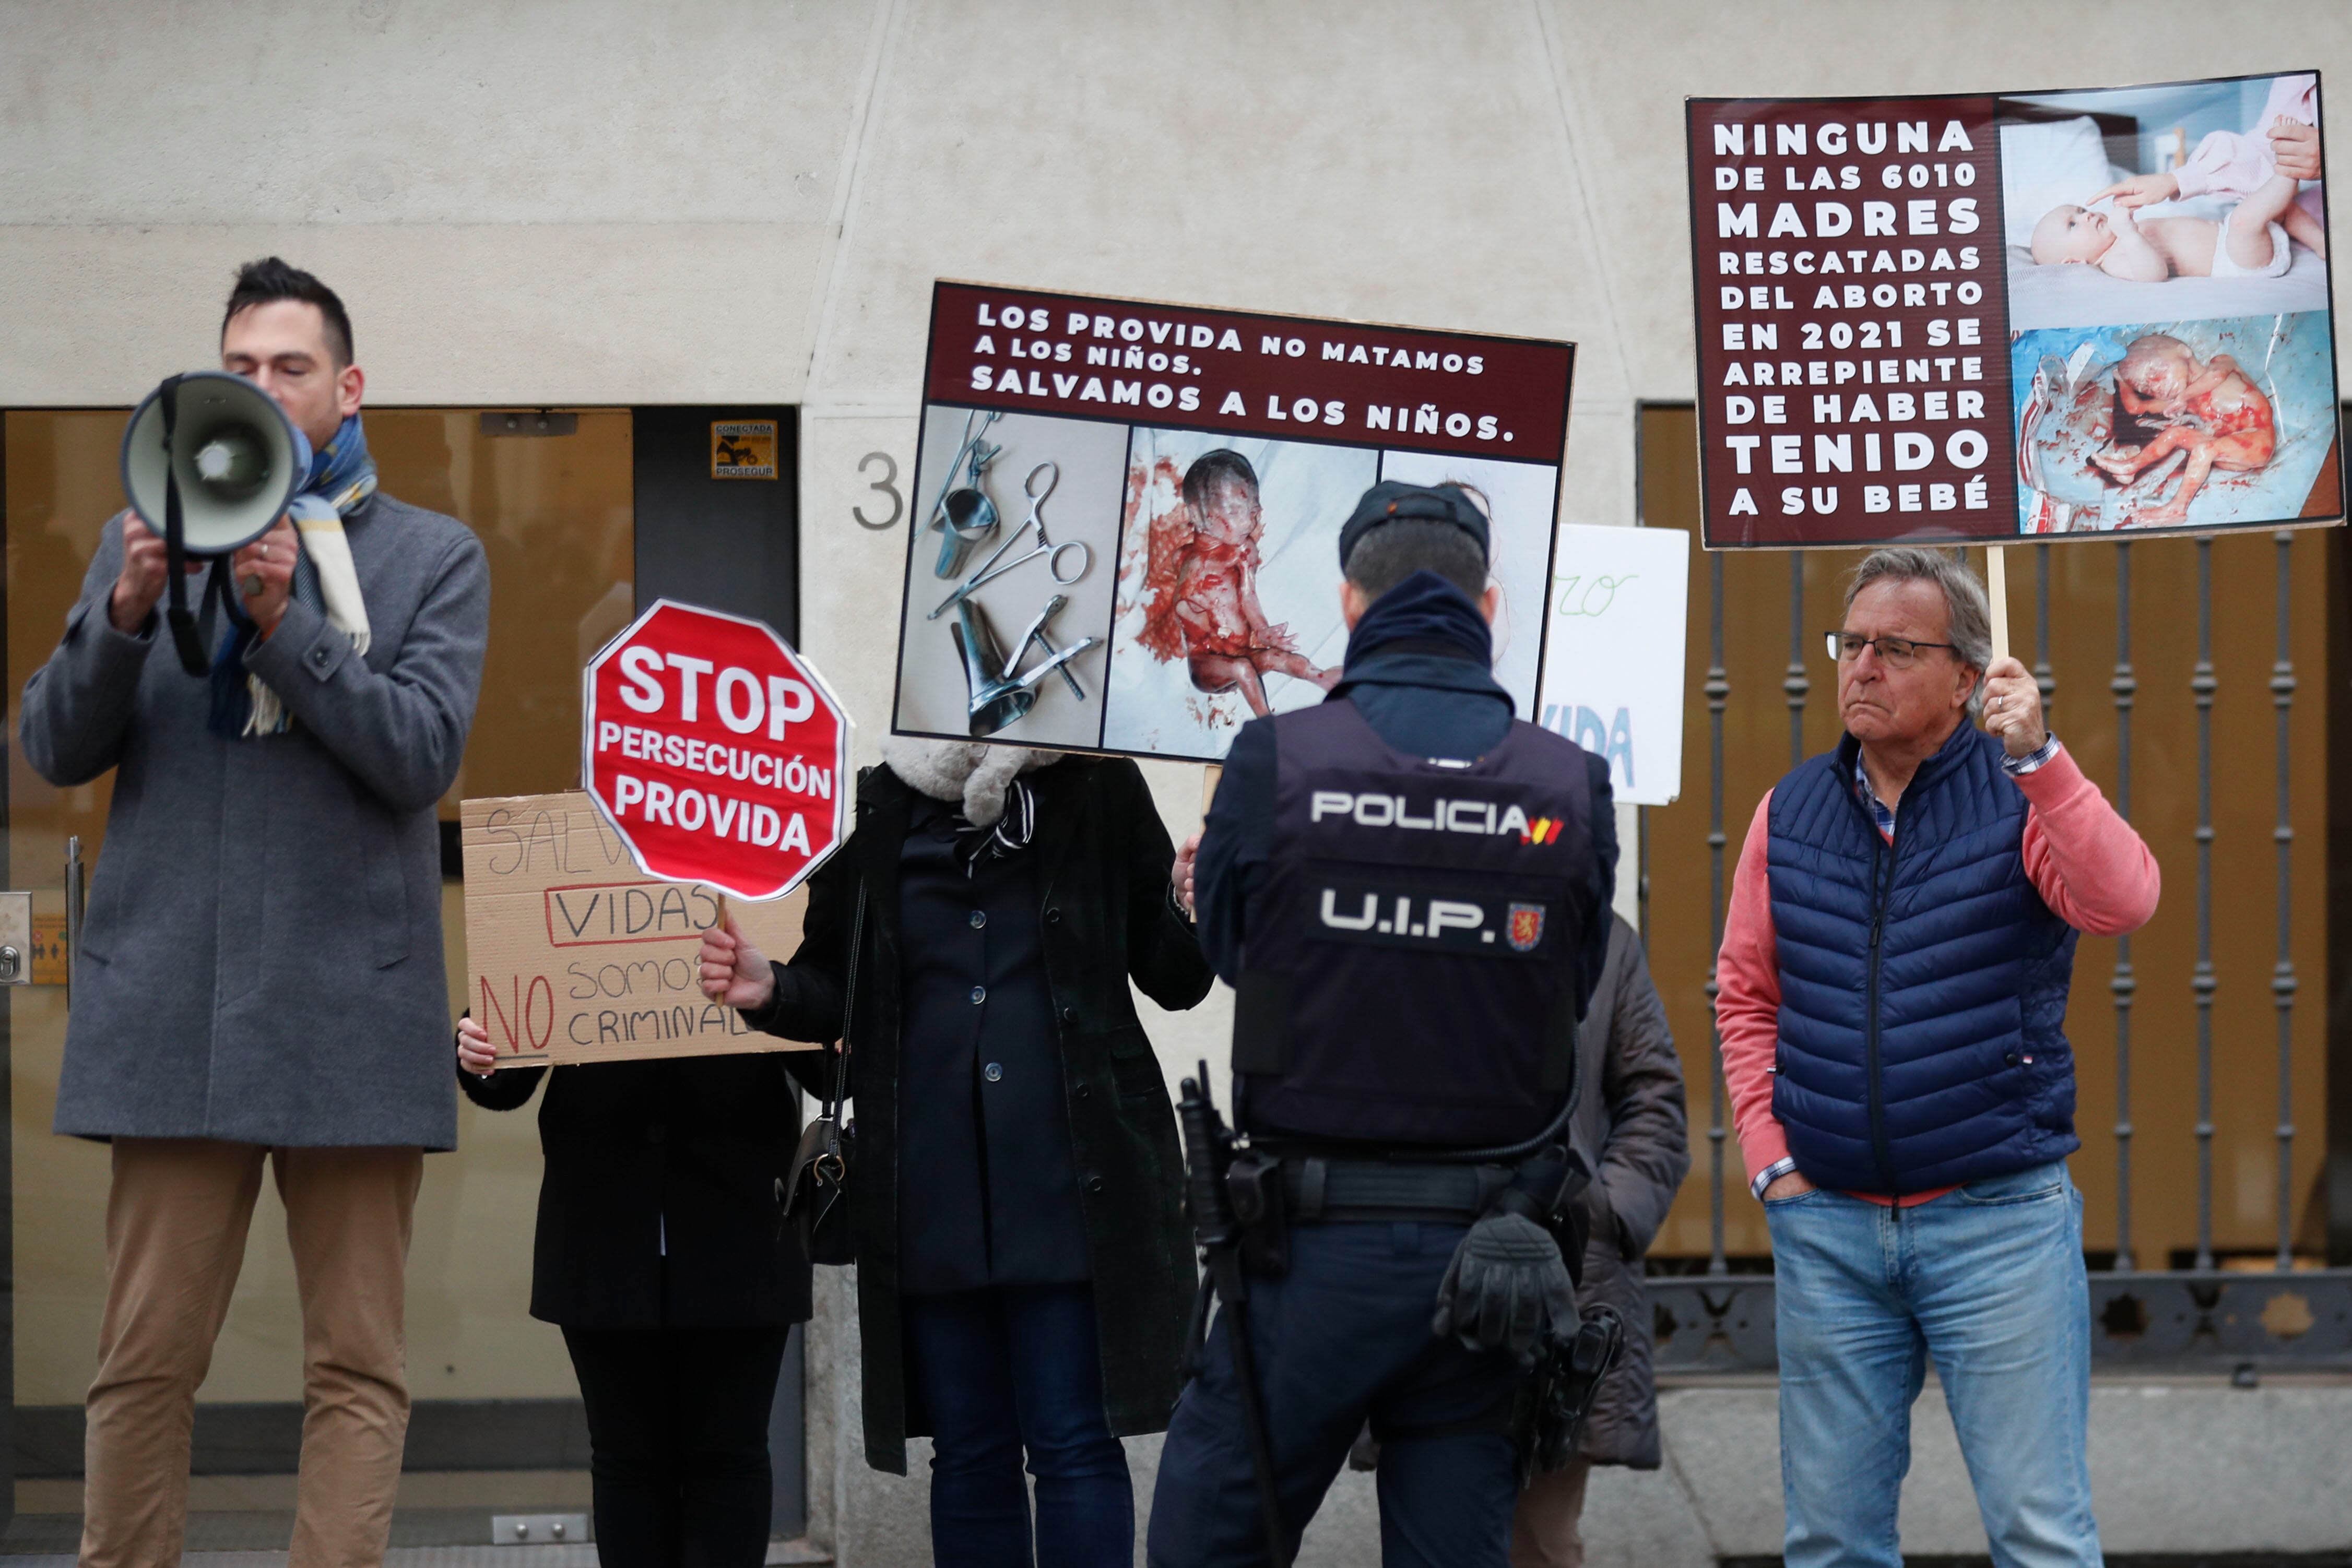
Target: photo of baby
{"type": "Point", "coordinates": [2211, 190]}
{"type": "Point", "coordinates": [2181, 424]}
{"type": "Point", "coordinates": [1203, 560]}
{"type": "Point", "coordinates": [1227, 602]}
{"type": "Point", "coordinates": [2172, 401]}
{"type": "Point", "coordinates": [2251, 242]}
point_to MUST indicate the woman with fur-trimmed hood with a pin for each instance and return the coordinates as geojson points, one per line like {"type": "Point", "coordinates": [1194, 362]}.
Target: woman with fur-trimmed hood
{"type": "Point", "coordinates": [1024, 1274]}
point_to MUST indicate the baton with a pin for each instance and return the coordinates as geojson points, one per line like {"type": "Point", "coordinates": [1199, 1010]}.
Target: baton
{"type": "Point", "coordinates": [1208, 1147]}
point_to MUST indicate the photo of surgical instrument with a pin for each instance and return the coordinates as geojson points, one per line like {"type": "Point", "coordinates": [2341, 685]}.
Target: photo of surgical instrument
{"type": "Point", "coordinates": [1036, 633]}
{"type": "Point", "coordinates": [999, 696]}
{"type": "Point", "coordinates": [990, 571]}
{"type": "Point", "coordinates": [964, 514]}
{"type": "Point", "coordinates": [1027, 665]}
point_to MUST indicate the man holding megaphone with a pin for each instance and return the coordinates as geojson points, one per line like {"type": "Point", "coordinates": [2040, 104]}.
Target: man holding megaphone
{"type": "Point", "coordinates": [259, 977]}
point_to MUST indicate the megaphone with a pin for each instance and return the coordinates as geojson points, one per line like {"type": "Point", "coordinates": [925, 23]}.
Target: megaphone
{"type": "Point", "coordinates": [210, 463]}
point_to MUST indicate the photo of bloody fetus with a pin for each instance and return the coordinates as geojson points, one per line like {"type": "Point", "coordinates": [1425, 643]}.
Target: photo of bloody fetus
{"type": "Point", "coordinates": [2168, 402]}
{"type": "Point", "coordinates": [1203, 606]}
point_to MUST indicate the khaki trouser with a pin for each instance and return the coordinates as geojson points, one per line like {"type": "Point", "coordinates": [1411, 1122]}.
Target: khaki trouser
{"type": "Point", "coordinates": [1544, 1532]}
{"type": "Point", "coordinates": [175, 1226]}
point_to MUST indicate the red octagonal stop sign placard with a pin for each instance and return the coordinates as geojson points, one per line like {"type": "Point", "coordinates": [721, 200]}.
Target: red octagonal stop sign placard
{"type": "Point", "coordinates": [716, 752]}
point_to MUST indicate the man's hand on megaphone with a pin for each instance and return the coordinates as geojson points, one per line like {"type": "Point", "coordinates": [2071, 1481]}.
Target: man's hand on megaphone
{"type": "Point", "coordinates": [140, 584]}
{"type": "Point", "coordinates": [264, 571]}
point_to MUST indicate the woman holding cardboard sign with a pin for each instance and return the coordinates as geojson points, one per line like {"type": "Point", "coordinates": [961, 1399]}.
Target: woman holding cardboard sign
{"type": "Point", "coordinates": [662, 1254]}
{"type": "Point", "coordinates": [1023, 1277]}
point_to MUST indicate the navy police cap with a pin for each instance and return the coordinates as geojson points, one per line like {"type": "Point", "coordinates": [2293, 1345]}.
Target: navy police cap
{"type": "Point", "coordinates": [1393, 500]}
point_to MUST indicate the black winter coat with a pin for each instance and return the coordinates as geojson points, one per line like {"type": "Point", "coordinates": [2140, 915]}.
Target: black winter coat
{"type": "Point", "coordinates": [662, 1202]}
{"type": "Point", "coordinates": [1632, 1117]}
{"type": "Point", "coordinates": [1103, 859]}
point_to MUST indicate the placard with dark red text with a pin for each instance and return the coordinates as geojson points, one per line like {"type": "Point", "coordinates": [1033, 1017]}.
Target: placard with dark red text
{"type": "Point", "coordinates": [1977, 317]}
{"type": "Point", "coordinates": [1125, 528]}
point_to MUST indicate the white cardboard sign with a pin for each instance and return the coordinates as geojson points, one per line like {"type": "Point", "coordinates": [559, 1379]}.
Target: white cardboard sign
{"type": "Point", "coordinates": [1612, 674]}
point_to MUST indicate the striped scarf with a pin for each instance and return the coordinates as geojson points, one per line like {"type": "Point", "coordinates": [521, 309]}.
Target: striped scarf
{"type": "Point", "coordinates": [998, 811]}
{"type": "Point", "coordinates": [342, 475]}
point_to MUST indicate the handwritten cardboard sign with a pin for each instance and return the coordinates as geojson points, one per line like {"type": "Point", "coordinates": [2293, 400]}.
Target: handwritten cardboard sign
{"type": "Point", "coordinates": [1612, 679]}
{"type": "Point", "coordinates": [574, 955]}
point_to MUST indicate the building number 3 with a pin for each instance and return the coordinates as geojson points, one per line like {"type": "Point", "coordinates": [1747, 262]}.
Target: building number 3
{"type": "Point", "coordinates": [888, 485]}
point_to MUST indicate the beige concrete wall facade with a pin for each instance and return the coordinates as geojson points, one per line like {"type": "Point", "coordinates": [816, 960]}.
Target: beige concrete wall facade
{"type": "Point", "coordinates": [588, 201]}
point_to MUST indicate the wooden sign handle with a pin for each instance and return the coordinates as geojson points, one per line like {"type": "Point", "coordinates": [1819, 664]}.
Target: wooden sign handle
{"type": "Point", "coordinates": [1997, 590]}
{"type": "Point", "coordinates": [1210, 775]}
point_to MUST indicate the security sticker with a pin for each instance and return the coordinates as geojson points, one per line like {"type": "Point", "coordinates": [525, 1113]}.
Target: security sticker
{"type": "Point", "coordinates": [742, 449]}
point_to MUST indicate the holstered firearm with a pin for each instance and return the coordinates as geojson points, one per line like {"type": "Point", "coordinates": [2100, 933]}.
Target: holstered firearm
{"type": "Point", "coordinates": [1208, 1157]}
{"type": "Point", "coordinates": [1554, 1404]}
{"type": "Point", "coordinates": [1254, 1191]}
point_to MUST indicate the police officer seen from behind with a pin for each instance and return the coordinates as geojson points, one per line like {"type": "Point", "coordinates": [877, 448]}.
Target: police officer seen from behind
{"type": "Point", "coordinates": [1409, 889]}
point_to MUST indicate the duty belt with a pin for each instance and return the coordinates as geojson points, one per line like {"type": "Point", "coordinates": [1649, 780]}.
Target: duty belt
{"type": "Point", "coordinates": [1321, 1191]}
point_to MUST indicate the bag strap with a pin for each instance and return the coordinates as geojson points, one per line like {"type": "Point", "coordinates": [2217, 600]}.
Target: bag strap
{"type": "Point", "coordinates": [848, 1005]}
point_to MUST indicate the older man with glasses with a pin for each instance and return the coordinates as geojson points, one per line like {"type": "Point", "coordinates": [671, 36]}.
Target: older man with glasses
{"type": "Point", "coordinates": [1892, 990]}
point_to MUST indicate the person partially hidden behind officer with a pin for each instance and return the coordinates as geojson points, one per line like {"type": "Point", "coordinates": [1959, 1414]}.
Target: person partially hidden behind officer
{"type": "Point", "coordinates": [1895, 972]}
{"type": "Point", "coordinates": [1632, 1131]}
{"type": "Point", "coordinates": [1409, 889]}
{"type": "Point", "coordinates": [1631, 1118]}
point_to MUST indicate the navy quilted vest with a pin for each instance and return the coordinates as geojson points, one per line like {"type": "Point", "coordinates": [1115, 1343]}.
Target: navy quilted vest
{"type": "Point", "coordinates": [1923, 986]}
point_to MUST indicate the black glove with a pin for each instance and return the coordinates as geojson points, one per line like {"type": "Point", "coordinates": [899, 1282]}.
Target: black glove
{"type": "Point", "coordinates": [1506, 1287]}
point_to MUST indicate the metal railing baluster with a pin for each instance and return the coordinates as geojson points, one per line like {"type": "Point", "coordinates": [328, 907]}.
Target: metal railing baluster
{"type": "Point", "coordinates": [2124, 985]}
{"type": "Point", "coordinates": [2202, 983]}
{"type": "Point", "coordinates": [1718, 695]}
{"type": "Point", "coordinates": [2282, 981]}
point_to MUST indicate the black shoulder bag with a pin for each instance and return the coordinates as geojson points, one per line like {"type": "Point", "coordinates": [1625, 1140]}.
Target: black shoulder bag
{"type": "Point", "coordinates": [818, 1191]}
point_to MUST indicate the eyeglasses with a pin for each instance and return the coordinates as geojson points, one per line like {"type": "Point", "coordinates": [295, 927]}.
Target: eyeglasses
{"type": "Point", "coordinates": [1898, 652]}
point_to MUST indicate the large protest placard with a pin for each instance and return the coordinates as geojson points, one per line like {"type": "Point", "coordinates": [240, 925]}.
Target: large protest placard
{"type": "Point", "coordinates": [1987, 317]}
{"type": "Point", "coordinates": [1613, 676]}
{"type": "Point", "coordinates": [573, 954]}
{"type": "Point", "coordinates": [1125, 535]}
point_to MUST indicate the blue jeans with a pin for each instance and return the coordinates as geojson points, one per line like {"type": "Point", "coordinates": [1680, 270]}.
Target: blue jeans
{"type": "Point", "coordinates": [1008, 1368]}
{"type": "Point", "coordinates": [1989, 1281]}
{"type": "Point", "coordinates": [1342, 1337]}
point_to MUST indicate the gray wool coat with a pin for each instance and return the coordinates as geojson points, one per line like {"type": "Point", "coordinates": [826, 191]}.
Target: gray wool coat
{"type": "Point", "coordinates": [260, 957]}
{"type": "Point", "coordinates": [1632, 1127]}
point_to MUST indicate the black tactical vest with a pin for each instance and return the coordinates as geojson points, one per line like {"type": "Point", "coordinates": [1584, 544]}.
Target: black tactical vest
{"type": "Point", "coordinates": [1409, 976]}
